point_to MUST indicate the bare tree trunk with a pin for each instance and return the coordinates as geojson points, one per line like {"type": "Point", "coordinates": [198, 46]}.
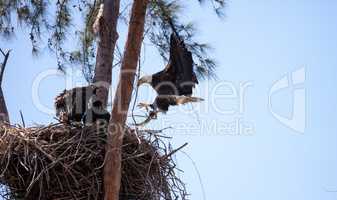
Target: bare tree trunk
{"type": "Point", "coordinates": [106, 46]}
{"type": "Point", "coordinates": [112, 168]}
{"type": "Point", "coordinates": [4, 116]}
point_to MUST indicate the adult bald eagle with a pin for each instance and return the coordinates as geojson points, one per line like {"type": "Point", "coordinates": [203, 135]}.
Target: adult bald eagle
{"type": "Point", "coordinates": [71, 104]}
{"type": "Point", "coordinates": [175, 83]}
{"type": "Point", "coordinates": [80, 104]}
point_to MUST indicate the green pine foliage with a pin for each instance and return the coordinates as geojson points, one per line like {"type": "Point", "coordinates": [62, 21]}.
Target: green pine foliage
{"type": "Point", "coordinates": [49, 23]}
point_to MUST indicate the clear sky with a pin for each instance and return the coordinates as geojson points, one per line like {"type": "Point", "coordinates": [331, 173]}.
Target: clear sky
{"type": "Point", "coordinates": [257, 45]}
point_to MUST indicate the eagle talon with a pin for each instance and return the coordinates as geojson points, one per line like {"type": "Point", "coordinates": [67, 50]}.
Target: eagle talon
{"type": "Point", "coordinates": [144, 105]}
{"type": "Point", "coordinates": [153, 115]}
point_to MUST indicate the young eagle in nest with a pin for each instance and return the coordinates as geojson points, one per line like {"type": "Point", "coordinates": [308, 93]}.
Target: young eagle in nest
{"type": "Point", "coordinates": [175, 83]}
{"type": "Point", "coordinates": [80, 104]}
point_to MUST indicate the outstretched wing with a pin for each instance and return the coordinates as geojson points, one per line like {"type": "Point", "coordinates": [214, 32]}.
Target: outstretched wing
{"type": "Point", "coordinates": [181, 65]}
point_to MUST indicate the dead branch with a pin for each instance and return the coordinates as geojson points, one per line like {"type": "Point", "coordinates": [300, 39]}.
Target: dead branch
{"type": "Point", "coordinates": [4, 116]}
{"type": "Point", "coordinates": [22, 119]}
{"type": "Point", "coordinates": [3, 64]}
{"type": "Point", "coordinates": [175, 151]}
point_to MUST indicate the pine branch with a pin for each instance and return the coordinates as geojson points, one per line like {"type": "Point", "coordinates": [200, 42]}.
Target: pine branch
{"type": "Point", "coordinates": [164, 19]}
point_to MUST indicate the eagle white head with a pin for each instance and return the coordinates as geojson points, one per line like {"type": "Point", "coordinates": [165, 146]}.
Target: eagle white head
{"type": "Point", "coordinates": [145, 79]}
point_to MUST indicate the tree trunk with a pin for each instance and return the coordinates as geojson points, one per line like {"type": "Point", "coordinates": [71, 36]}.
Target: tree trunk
{"type": "Point", "coordinates": [4, 116]}
{"type": "Point", "coordinates": [112, 168]}
{"type": "Point", "coordinates": [105, 51]}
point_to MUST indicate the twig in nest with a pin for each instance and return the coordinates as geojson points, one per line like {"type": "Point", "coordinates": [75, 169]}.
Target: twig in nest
{"type": "Point", "coordinates": [22, 119]}
{"type": "Point", "coordinates": [64, 161]}
{"type": "Point", "coordinates": [174, 151]}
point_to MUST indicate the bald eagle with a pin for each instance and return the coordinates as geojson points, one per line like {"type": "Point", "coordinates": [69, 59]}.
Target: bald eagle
{"type": "Point", "coordinates": [174, 84]}
{"type": "Point", "coordinates": [71, 104]}
{"type": "Point", "coordinates": [80, 104]}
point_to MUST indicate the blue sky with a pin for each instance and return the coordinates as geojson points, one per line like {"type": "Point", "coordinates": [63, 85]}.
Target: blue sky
{"type": "Point", "coordinates": [257, 43]}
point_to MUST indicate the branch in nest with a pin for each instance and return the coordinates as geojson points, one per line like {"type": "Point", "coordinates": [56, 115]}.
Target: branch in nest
{"type": "Point", "coordinates": [174, 151]}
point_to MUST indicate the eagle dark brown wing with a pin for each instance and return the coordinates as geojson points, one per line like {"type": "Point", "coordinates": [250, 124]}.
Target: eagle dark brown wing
{"type": "Point", "coordinates": [181, 62]}
{"type": "Point", "coordinates": [177, 78]}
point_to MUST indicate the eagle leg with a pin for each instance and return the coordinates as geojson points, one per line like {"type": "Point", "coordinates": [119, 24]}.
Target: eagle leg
{"type": "Point", "coordinates": [187, 99]}
{"type": "Point", "coordinates": [144, 105]}
{"type": "Point", "coordinates": [152, 115]}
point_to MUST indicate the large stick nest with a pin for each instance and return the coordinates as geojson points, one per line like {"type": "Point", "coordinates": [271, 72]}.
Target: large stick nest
{"type": "Point", "coordinates": [61, 162]}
